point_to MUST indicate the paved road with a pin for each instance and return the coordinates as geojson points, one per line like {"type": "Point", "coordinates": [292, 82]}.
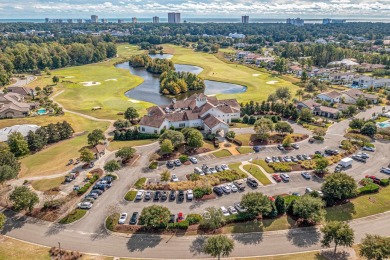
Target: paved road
{"type": "Point", "coordinates": [23, 82]}
{"type": "Point", "coordinates": [89, 235]}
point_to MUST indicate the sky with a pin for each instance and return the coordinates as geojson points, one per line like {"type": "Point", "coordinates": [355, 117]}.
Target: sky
{"type": "Point", "coordinates": [12, 9]}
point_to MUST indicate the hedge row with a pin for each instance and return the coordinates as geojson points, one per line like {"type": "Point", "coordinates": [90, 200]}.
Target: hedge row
{"type": "Point", "coordinates": [369, 188]}
{"type": "Point", "coordinates": [179, 225]}
{"type": "Point", "coordinates": [86, 186]}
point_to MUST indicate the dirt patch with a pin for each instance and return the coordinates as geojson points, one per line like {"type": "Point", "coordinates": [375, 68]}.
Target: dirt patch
{"type": "Point", "coordinates": [90, 83]}
{"type": "Point", "coordinates": [132, 160]}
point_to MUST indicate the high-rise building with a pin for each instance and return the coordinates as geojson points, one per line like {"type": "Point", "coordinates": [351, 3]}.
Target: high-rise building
{"type": "Point", "coordinates": [245, 19]}
{"type": "Point", "coordinates": [173, 17]}
{"type": "Point", "coordinates": [104, 20]}
{"type": "Point", "coordinates": [156, 19]}
{"type": "Point", "coordinates": [47, 20]}
{"type": "Point", "coordinates": [296, 22]}
{"type": "Point", "coordinates": [134, 20]}
{"type": "Point", "coordinates": [70, 20]}
{"type": "Point", "coordinates": [94, 19]}
{"type": "Point", "coordinates": [121, 21]}
{"type": "Point", "coordinates": [326, 21]}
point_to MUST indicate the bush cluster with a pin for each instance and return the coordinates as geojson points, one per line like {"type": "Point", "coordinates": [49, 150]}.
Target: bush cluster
{"type": "Point", "coordinates": [179, 225]}
{"type": "Point", "coordinates": [86, 186]}
{"type": "Point", "coordinates": [281, 166]}
{"type": "Point", "coordinates": [384, 182]}
{"type": "Point", "coordinates": [193, 218]}
{"type": "Point", "coordinates": [369, 188]}
{"type": "Point", "coordinates": [199, 192]}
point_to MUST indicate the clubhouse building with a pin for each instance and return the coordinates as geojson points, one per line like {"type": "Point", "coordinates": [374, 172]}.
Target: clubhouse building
{"type": "Point", "coordinates": [198, 111]}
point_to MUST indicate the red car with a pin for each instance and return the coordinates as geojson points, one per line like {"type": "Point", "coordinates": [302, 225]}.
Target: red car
{"type": "Point", "coordinates": [374, 179]}
{"type": "Point", "coordinates": [180, 217]}
{"type": "Point", "coordinates": [277, 177]}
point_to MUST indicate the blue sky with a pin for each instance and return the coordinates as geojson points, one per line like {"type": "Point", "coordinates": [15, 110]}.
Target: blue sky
{"type": "Point", "coordinates": [195, 8]}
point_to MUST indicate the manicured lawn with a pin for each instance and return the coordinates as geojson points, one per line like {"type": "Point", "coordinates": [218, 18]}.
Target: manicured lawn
{"type": "Point", "coordinates": [130, 195]}
{"type": "Point", "coordinates": [245, 138]}
{"type": "Point", "coordinates": [314, 255]}
{"type": "Point", "coordinates": [280, 223]}
{"type": "Point", "coordinates": [215, 69]}
{"type": "Point", "coordinates": [362, 206]}
{"type": "Point", "coordinates": [241, 125]}
{"type": "Point", "coordinates": [381, 119]}
{"type": "Point", "coordinates": [47, 184]}
{"type": "Point", "coordinates": [109, 94]}
{"type": "Point", "coordinates": [73, 216]}
{"type": "Point", "coordinates": [244, 150]}
{"type": "Point", "coordinates": [263, 164]}
{"type": "Point", "coordinates": [222, 153]}
{"type": "Point", "coordinates": [208, 145]}
{"type": "Point", "coordinates": [140, 182]}
{"type": "Point", "coordinates": [116, 145]}
{"type": "Point", "coordinates": [257, 173]}
{"type": "Point", "coordinates": [235, 166]}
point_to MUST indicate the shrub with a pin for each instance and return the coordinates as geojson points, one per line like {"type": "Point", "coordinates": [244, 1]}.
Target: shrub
{"type": "Point", "coordinates": [240, 217]}
{"type": "Point", "coordinates": [179, 225]}
{"type": "Point", "coordinates": [53, 204]}
{"type": "Point", "coordinates": [308, 165]}
{"type": "Point", "coordinates": [111, 221]}
{"type": "Point", "coordinates": [130, 195]}
{"type": "Point", "coordinates": [369, 188]}
{"type": "Point", "coordinates": [384, 182]}
{"type": "Point", "coordinates": [193, 218]}
{"type": "Point", "coordinates": [84, 189]}
{"type": "Point", "coordinates": [153, 165]}
{"type": "Point", "coordinates": [140, 183]}
{"type": "Point", "coordinates": [237, 142]}
{"type": "Point", "coordinates": [281, 166]}
{"type": "Point", "coordinates": [199, 192]}
{"type": "Point", "coordinates": [319, 138]}
{"type": "Point", "coordinates": [183, 158]}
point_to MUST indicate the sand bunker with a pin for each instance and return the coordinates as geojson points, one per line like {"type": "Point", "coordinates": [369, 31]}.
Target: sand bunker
{"type": "Point", "coordinates": [272, 82]}
{"type": "Point", "coordinates": [255, 75]}
{"type": "Point", "coordinates": [90, 83]}
{"type": "Point", "coordinates": [69, 77]}
{"type": "Point", "coordinates": [134, 101]}
{"type": "Point", "coordinates": [111, 80]}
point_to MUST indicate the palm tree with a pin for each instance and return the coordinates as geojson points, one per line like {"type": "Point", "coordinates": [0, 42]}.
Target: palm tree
{"type": "Point", "coordinates": [218, 245]}
{"type": "Point", "coordinates": [300, 93]}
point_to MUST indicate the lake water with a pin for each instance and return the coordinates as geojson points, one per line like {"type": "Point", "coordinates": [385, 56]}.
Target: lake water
{"type": "Point", "coordinates": [149, 90]}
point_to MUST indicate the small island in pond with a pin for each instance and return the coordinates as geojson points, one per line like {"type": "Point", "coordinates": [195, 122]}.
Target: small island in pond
{"type": "Point", "coordinates": [171, 82]}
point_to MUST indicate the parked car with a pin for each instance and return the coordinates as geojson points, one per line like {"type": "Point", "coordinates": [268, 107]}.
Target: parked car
{"type": "Point", "coordinates": [122, 218]}
{"type": "Point", "coordinates": [308, 190]}
{"type": "Point", "coordinates": [285, 177]}
{"type": "Point", "coordinates": [280, 147]}
{"type": "Point", "coordinates": [232, 187]}
{"type": "Point", "coordinates": [238, 207]}
{"type": "Point", "coordinates": [225, 167]}
{"type": "Point", "coordinates": [177, 162]}
{"type": "Point", "coordinates": [232, 210]}
{"type": "Point", "coordinates": [368, 148]}
{"type": "Point", "coordinates": [224, 211]}
{"type": "Point", "coordinates": [76, 187]}
{"type": "Point", "coordinates": [85, 205]}
{"type": "Point", "coordinates": [295, 146]}
{"type": "Point", "coordinates": [172, 218]}
{"type": "Point", "coordinates": [225, 188]}
{"type": "Point", "coordinates": [134, 218]}
{"type": "Point", "coordinates": [239, 184]}
{"type": "Point", "coordinates": [296, 194]}
{"type": "Point", "coordinates": [193, 160]}
{"type": "Point", "coordinates": [306, 175]}
{"type": "Point", "coordinates": [206, 170]}
{"type": "Point", "coordinates": [293, 158]}
{"type": "Point", "coordinates": [180, 197]}
{"type": "Point", "coordinates": [139, 194]}
{"type": "Point", "coordinates": [338, 168]}
{"type": "Point", "coordinates": [218, 190]}
{"type": "Point", "coordinates": [98, 192]}
{"type": "Point", "coordinates": [180, 217]}
{"type": "Point", "coordinates": [93, 195]}
{"type": "Point", "coordinates": [374, 179]}
{"type": "Point", "coordinates": [89, 199]}
{"type": "Point", "coordinates": [299, 157]}
{"type": "Point", "coordinates": [268, 159]}
{"type": "Point", "coordinates": [164, 195]}
{"type": "Point", "coordinates": [281, 159]}
{"type": "Point", "coordinates": [170, 164]}
{"type": "Point", "coordinates": [174, 178]}
{"type": "Point", "coordinates": [276, 177]}
{"type": "Point", "coordinates": [385, 170]}
{"type": "Point", "coordinates": [364, 155]}
{"type": "Point", "coordinates": [198, 170]}
{"type": "Point", "coordinates": [172, 195]}
{"type": "Point", "coordinates": [318, 152]}
{"type": "Point", "coordinates": [287, 159]}
{"type": "Point", "coordinates": [148, 195]}
{"type": "Point", "coordinates": [218, 168]}
{"type": "Point", "coordinates": [359, 158]}
{"type": "Point", "coordinates": [190, 195]}
{"type": "Point", "coordinates": [212, 170]}
{"type": "Point", "coordinates": [252, 182]}
{"type": "Point", "coordinates": [157, 195]}
{"type": "Point", "coordinates": [256, 149]}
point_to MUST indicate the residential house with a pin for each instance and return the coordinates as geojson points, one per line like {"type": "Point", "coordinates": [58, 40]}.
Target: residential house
{"type": "Point", "coordinates": [12, 105]}
{"type": "Point", "coordinates": [242, 54]}
{"type": "Point", "coordinates": [251, 58]}
{"type": "Point", "coordinates": [365, 82]}
{"type": "Point", "coordinates": [352, 95]}
{"type": "Point", "coordinates": [309, 103]}
{"type": "Point", "coordinates": [346, 63]}
{"type": "Point", "coordinates": [341, 78]}
{"type": "Point", "coordinates": [329, 112]}
{"type": "Point", "coordinates": [20, 90]}
{"type": "Point", "coordinates": [198, 111]}
{"type": "Point", "coordinates": [331, 97]}
{"type": "Point", "coordinates": [267, 60]}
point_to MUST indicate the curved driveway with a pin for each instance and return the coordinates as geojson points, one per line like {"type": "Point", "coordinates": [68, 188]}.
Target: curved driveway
{"type": "Point", "coordinates": [89, 235]}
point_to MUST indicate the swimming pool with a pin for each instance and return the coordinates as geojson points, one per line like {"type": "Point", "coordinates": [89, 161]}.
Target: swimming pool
{"type": "Point", "coordinates": [384, 124]}
{"type": "Point", "coordinates": [41, 111]}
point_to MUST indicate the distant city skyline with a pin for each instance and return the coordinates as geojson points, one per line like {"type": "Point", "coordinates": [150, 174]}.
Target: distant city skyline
{"type": "Point", "coordinates": [73, 9]}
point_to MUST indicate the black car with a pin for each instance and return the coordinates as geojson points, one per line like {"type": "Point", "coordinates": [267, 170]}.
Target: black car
{"type": "Point", "coordinates": [256, 149]}
{"type": "Point", "coordinates": [180, 197]}
{"type": "Point", "coordinates": [172, 195]}
{"type": "Point", "coordinates": [134, 218]}
{"type": "Point", "coordinates": [252, 182]}
{"type": "Point", "coordinates": [170, 164]}
{"type": "Point", "coordinates": [218, 190]}
{"type": "Point", "coordinates": [172, 218]}
{"type": "Point", "coordinates": [164, 195]}
{"type": "Point", "coordinates": [328, 151]}
{"type": "Point", "coordinates": [299, 157]}
{"type": "Point", "coordinates": [157, 195]}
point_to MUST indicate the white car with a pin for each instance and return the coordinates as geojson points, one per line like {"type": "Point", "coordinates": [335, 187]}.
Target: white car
{"type": "Point", "coordinates": [385, 170]}
{"type": "Point", "coordinates": [268, 159]}
{"type": "Point", "coordinates": [368, 148]}
{"type": "Point", "coordinates": [139, 195]}
{"type": "Point", "coordinates": [174, 178]}
{"type": "Point", "coordinates": [363, 155]}
{"type": "Point", "coordinates": [285, 176]}
{"type": "Point", "coordinates": [226, 188]}
{"type": "Point", "coordinates": [224, 211]}
{"type": "Point", "coordinates": [212, 170]}
{"type": "Point", "coordinates": [308, 190]}
{"type": "Point", "coordinates": [232, 187]}
{"type": "Point", "coordinates": [122, 218]}
{"type": "Point", "coordinates": [232, 210]}
{"type": "Point", "coordinates": [225, 167]}
{"type": "Point", "coordinates": [287, 159]}
{"type": "Point", "coordinates": [193, 160]}
{"type": "Point", "coordinates": [190, 195]}
{"type": "Point", "coordinates": [239, 207]}
{"type": "Point", "coordinates": [85, 205]}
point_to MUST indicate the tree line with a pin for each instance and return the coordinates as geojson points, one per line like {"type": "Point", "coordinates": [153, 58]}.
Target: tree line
{"type": "Point", "coordinates": [155, 66]}
{"type": "Point", "coordinates": [173, 83]}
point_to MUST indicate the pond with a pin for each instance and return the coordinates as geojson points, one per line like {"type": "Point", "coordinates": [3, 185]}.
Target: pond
{"type": "Point", "coordinates": [149, 90]}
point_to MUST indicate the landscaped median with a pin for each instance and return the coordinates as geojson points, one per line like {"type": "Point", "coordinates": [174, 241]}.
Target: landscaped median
{"type": "Point", "coordinates": [256, 172]}
{"type": "Point", "coordinates": [73, 216]}
{"type": "Point", "coordinates": [130, 195]}
{"type": "Point", "coordinates": [222, 153]}
{"type": "Point", "coordinates": [263, 164]}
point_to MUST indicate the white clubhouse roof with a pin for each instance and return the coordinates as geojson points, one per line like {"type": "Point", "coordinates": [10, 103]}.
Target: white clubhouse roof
{"type": "Point", "coordinates": [23, 129]}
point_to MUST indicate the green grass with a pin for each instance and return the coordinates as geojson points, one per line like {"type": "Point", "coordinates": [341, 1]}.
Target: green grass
{"type": "Point", "coordinates": [241, 125]}
{"type": "Point", "coordinates": [263, 164]}
{"type": "Point", "coordinates": [47, 184]}
{"type": "Point", "coordinates": [140, 182]}
{"type": "Point", "coordinates": [73, 216]}
{"type": "Point", "coordinates": [381, 119]}
{"type": "Point", "coordinates": [245, 138]}
{"type": "Point", "coordinates": [244, 150]}
{"type": "Point", "coordinates": [109, 94]}
{"type": "Point", "coordinates": [280, 223]}
{"type": "Point", "coordinates": [215, 69]}
{"type": "Point", "coordinates": [235, 166]}
{"type": "Point", "coordinates": [222, 153]}
{"type": "Point", "coordinates": [257, 173]}
{"type": "Point", "coordinates": [313, 255]}
{"type": "Point", "coordinates": [116, 145]}
{"type": "Point", "coordinates": [130, 195]}
{"type": "Point", "coordinates": [360, 207]}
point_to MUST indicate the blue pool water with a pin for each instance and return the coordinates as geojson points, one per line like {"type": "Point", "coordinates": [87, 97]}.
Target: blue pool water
{"type": "Point", "coordinates": [41, 111]}
{"type": "Point", "coordinates": [384, 124]}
